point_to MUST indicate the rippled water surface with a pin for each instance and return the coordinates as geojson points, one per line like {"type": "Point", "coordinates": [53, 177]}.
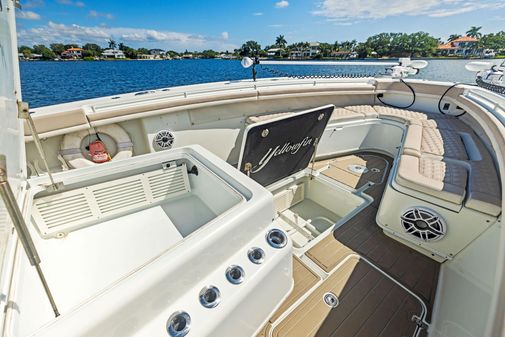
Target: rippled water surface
{"type": "Point", "coordinates": [47, 83]}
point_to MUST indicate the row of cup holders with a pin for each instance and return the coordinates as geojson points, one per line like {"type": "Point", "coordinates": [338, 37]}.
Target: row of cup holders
{"type": "Point", "coordinates": [179, 323]}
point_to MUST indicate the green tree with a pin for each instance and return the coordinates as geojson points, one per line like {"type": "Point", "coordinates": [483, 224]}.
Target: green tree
{"type": "Point", "coordinates": [112, 44]}
{"type": "Point", "coordinates": [209, 54]}
{"type": "Point", "coordinates": [453, 37]}
{"type": "Point", "coordinates": [71, 45]}
{"type": "Point", "coordinates": [144, 51]}
{"type": "Point", "coordinates": [58, 48]}
{"type": "Point", "coordinates": [121, 46]}
{"type": "Point", "coordinates": [493, 41]}
{"type": "Point", "coordinates": [474, 32]}
{"type": "Point", "coordinates": [325, 49]}
{"type": "Point", "coordinates": [26, 51]}
{"type": "Point", "coordinates": [280, 41]}
{"type": "Point", "coordinates": [92, 49]}
{"type": "Point", "coordinates": [250, 48]}
{"type": "Point", "coordinates": [130, 53]}
{"type": "Point", "coordinates": [47, 54]}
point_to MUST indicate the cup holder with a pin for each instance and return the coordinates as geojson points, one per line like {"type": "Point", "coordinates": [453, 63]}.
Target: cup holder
{"type": "Point", "coordinates": [277, 238]}
{"type": "Point", "coordinates": [235, 274]}
{"type": "Point", "coordinates": [178, 324]}
{"type": "Point", "coordinates": [256, 255]}
{"type": "Point", "coordinates": [210, 297]}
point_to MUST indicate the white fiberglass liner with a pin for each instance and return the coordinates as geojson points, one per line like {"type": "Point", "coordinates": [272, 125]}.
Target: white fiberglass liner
{"type": "Point", "coordinates": [144, 250]}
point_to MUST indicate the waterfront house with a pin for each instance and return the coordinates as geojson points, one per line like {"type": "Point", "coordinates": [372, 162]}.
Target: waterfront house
{"type": "Point", "coordinates": [187, 56]}
{"type": "Point", "coordinates": [464, 46]}
{"type": "Point", "coordinates": [72, 53]}
{"type": "Point", "coordinates": [311, 50]}
{"type": "Point", "coordinates": [113, 53]}
{"type": "Point", "coordinates": [148, 57]}
{"type": "Point", "coordinates": [158, 53]}
{"type": "Point", "coordinates": [274, 52]}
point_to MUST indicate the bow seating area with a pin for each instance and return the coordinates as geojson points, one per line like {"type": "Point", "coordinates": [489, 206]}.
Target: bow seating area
{"type": "Point", "coordinates": [441, 156]}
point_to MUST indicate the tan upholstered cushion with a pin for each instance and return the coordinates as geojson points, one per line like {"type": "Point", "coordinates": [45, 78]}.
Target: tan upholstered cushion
{"type": "Point", "coordinates": [484, 188]}
{"type": "Point", "coordinates": [434, 177]}
{"type": "Point", "coordinates": [400, 115]}
{"type": "Point", "coordinates": [344, 115]}
{"type": "Point", "coordinates": [484, 192]}
{"type": "Point", "coordinates": [59, 120]}
{"type": "Point", "coordinates": [367, 110]}
{"type": "Point", "coordinates": [443, 143]}
{"type": "Point", "coordinates": [451, 124]}
{"type": "Point", "coordinates": [263, 118]}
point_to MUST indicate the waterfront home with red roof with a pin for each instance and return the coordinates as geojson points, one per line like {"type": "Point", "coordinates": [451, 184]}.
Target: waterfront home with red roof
{"type": "Point", "coordinates": [463, 46]}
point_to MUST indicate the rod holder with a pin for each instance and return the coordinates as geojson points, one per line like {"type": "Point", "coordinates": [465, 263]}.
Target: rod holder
{"type": "Point", "coordinates": [18, 221]}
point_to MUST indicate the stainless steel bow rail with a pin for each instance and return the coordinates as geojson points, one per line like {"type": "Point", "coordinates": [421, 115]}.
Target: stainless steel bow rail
{"type": "Point", "coordinates": [23, 234]}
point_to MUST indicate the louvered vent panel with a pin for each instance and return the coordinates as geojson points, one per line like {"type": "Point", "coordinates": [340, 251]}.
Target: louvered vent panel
{"type": "Point", "coordinates": [64, 209]}
{"type": "Point", "coordinates": [67, 211]}
{"type": "Point", "coordinates": [169, 183]}
{"type": "Point", "coordinates": [120, 195]}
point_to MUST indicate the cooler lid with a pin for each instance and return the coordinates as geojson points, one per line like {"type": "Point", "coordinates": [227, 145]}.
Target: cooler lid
{"type": "Point", "coordinates": [278, 148]}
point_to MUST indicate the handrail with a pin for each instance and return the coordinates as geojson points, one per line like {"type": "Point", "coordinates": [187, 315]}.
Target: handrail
{"type": "Point", "coordinates": [494, 103]}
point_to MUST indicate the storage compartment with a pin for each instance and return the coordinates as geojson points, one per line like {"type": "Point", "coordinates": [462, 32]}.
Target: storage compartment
{"type": "Point", "coordinates": [187, 200]}
{"type": "Point", "coordinates": [310, 207]}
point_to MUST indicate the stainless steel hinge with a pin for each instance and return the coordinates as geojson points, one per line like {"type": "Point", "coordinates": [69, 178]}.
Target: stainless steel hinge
{"type": "Point", "coordinates": [23, 110]}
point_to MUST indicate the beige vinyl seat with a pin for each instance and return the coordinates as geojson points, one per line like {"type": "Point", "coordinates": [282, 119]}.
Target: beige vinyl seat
{"type": "Point", "coordinates": [484, 192]}
{"type": "Point", "coordinates": [437, 142]}
{"type": "Point", "coordinates": [346, 115]}
{"type": "Point", "coordinates": [444, 180]}
{"type": "Point", "coordinates": [264, 118]}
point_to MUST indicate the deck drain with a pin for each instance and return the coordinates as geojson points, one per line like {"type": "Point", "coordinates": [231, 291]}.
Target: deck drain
{"type": "Point", "coordinates": [375, 170]}
{"type": "Point", "coordinates": [360, 169]}
{"type": "Point", "coordinates": [330, 299]}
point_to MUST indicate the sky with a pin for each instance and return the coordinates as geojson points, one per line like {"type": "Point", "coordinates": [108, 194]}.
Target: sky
{"type": "Point", "coordinates": [225, 24]}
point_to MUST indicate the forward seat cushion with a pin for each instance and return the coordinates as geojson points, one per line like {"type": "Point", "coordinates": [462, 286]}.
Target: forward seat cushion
{"type": "Point", "coordinates": [367, 110]}
{"type": "Point", "coordinates": [484, 187]}
{"type": "Point", "coordinates": [400, 115]}
{"type": "Point", "coordinates": [437, 142]}
{"type": "Point", "coordinates": [344, 115]}
{"type": "Point", "coordinates": [263, 118]}
{"type": "Point", "coordinates": [437, 178]}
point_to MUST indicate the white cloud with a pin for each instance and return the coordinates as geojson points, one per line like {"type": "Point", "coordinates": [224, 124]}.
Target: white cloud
{"type": "Point", "coordinates": [33, 4]}
{"type": "Point", "coordinates": [282, 4]}
{"type": "Point", "coordinates": [71, 3]}
{"type": "Point", "coordinates": [258, 14]}
{"type": "Point", "coordinates": [27, 15]}
{"type": "Point", "coordinates": [96, 14]}
{"type": "Point", "coordinates": [136, 37]}
{"type": "Point", "coordinates": [377, 9]}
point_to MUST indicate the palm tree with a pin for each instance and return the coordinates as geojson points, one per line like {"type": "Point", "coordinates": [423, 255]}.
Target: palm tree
{"type": "Point", "coordinates": [453, 37]}
{"type": "Point", "coordinates": [112, 44]}
{"type": "Point", "coordinates": [121, 46]}
{"type": "Point", "coordinates": [474, 32]}
{"type": "Point", "coordinates": [280, 41]}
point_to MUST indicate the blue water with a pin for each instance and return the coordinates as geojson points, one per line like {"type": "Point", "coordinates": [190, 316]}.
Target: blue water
{"type": "Point", "coordinates": [48, 83]}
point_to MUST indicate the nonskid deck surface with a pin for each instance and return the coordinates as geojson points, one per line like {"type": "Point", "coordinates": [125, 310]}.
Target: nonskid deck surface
{"type": "Point", "coordinates": [367, 271]}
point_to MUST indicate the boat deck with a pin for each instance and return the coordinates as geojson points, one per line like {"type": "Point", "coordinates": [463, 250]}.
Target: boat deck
{"type": "Point", "coordinates": [380, 283]}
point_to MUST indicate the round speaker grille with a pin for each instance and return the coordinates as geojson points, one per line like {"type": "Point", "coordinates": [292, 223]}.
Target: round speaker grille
{"type": "Point", "coordinates": [163, 140]}
{"type": "Point", "coordinates": [424, 224]}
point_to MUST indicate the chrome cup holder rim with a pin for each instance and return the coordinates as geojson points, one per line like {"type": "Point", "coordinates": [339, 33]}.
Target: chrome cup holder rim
{"type": "Point", "coordinates": [277, 238]}
{"type": "Point", "coordinates": [173, 321]}
{"type": "Point", "coordinates": [251, 254]}
{"type": "Point", "coordinates": [203, 296]}
{"type": "Point", "coordinates": [230, 271]}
